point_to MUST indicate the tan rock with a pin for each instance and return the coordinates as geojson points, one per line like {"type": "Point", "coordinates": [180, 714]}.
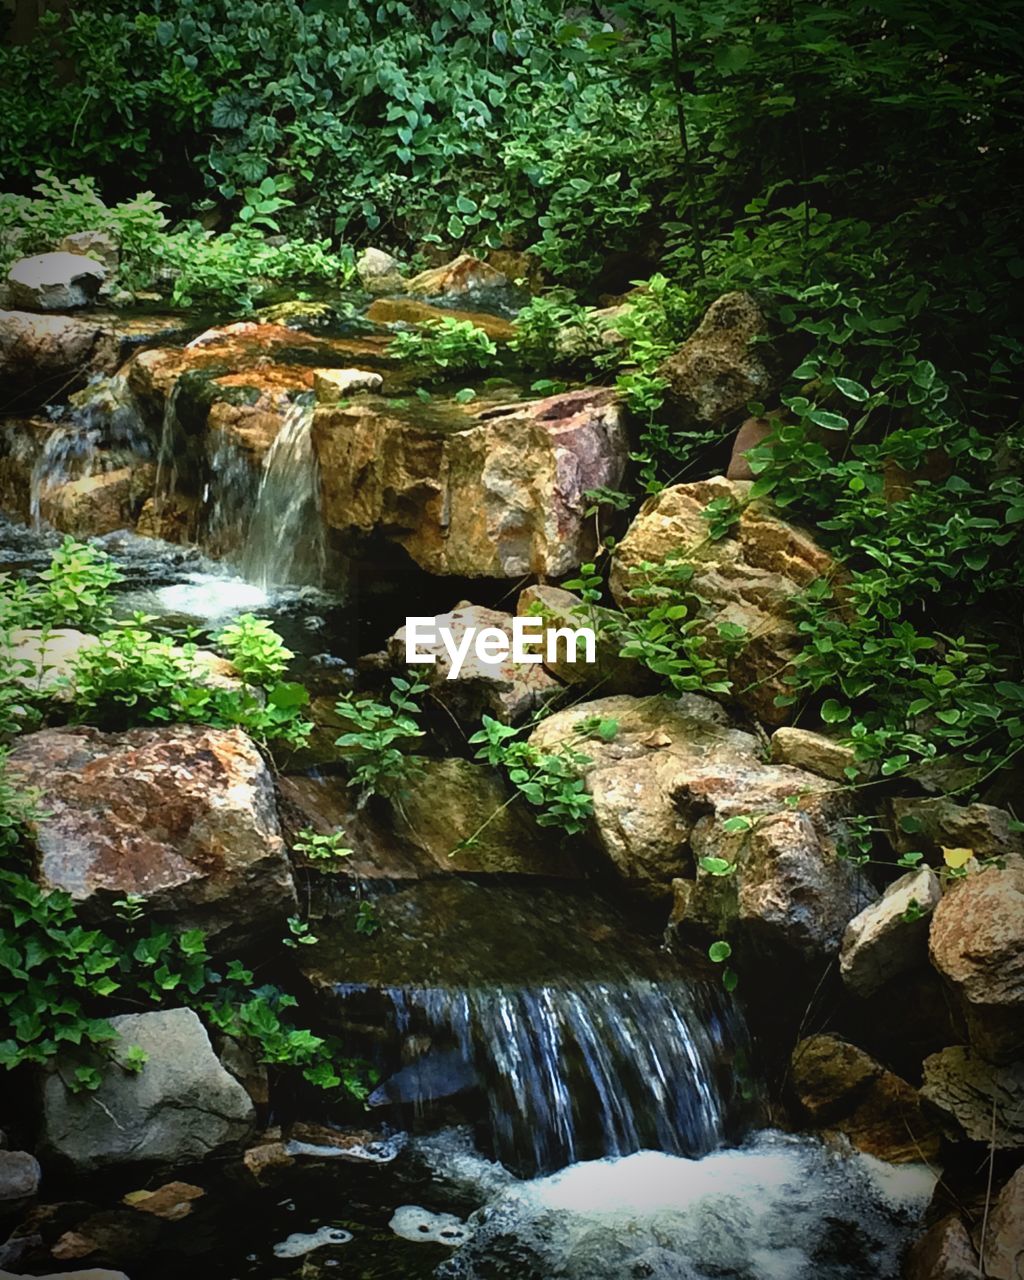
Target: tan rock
{"type": "Point", "coordinates": [976, 944]}
{"type": "Point", "coordinates": [890, 937]}
{"type": "Point", "coordinates": [172, 1202]}
{"type": "Point", "coordinates": [748, 578]}
{"type": "Point", "coordinates": [99, 503]}
{"type": "Point", "coordinates": [41, 355]}
{"type": "Point", "coordinates": [182, 816]}
{"type": "Point", "coordinates": [464, 275]}
{"type": "Point", "coordinates": [55, 281]}
{"type": "Point", "coordinates": [412, 311]}
{"type": "Point", "coordinates": [717, 371]}
{"type": "Point", "coordinates": [474, 490]}
{"type": "Point", "coordinates": [1003, 1242]}
{"type": "Point", "coordinates": [815, 752]}
{"type": "Point", "coordinates": [840, 1087]}
{"type": "Point", "coordinates": [332, 385]}
{"type": "Point", "coordinates": [974, 1098]}
{"type": "Point", "coordinates": [609, 673]}
{"type": "Point", "coordinates": [944, 1252]}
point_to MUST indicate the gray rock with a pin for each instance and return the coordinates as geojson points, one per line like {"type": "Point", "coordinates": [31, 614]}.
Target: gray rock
{"type": "Point", "coordinates": [884, 941]}
{"type": "Point", "coordinates": [928, 825]}
{"type": "Point", "coordinates": [55, 281]}
{"type": "Point", "coordinates": [19, 1175]}
{"type": "Point", "coordinates": [332, 385]}
{"type": "Point", "coordinates": [182, 1106]}
{"type": "Point", "coordinates": [98, 245]}
{"type": "Point", "coordinates": [1004, 1238]}
{"type": "Point", "coordinates": [976, 1099]}
{"type": "Point", "coordinates": [944, 1252]}
{"type": "Point", "coordinates": [373, 263]}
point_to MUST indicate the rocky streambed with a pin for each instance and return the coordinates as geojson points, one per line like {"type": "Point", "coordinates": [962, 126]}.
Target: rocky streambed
{"type": "Point", "coordinates": [560, 1082]}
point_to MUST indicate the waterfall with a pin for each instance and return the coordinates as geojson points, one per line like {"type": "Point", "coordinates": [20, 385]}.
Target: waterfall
{"type": "Point", "coordinates": [286, 545]}
{"type": "Point", "coordinates": [569, 1072]}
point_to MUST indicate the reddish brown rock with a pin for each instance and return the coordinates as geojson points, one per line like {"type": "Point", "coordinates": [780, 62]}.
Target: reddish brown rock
{"type": "Point", "coordinates": [183, 817]}
{"type": "Point", "coordinates": [944, 1252]}
{"type": "Point", "coordinates": [47, 355]}
{"type": "Point", "coordinates": [840, 1087]}
{"type": "Point", "coordinates": [464, 275]}
{"type": "Point", "coordinates": [1003, 1240]}
{"type": "Point", "coordinates": [752, 433]}
{"type": "Point", "coordinates": [172, 1202]}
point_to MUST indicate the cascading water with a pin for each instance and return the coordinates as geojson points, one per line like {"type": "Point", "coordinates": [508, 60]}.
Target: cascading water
{"type": "Point", "coordinates": [285, 545]}
{"type": "Point", "coordinates": [573, 1071]}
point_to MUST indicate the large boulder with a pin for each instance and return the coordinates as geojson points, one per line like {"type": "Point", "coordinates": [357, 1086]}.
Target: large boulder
{"type": "Point", "coordinates": [842, 1088]}
{"type": "Point", "coordinates": [976, 944]}
{"type": "Point", "coordinates": [182, 816]}
{"type": "Point", "coordinates": [493, 490]}
{"type": "Point", "coordinates": [183, 1106]}
{"type": "Point", "coordinates": [509, 691]}
{"type": "Point", "coordinates": [55, 281]}
{"type": "Point", "coordinates": [975, 1099]}
{"type": "Point", "coordinates": [718, 370]}
{"type": "Point", "coordinates": [45, 355]}
{"type": "Point", "coordinates": [890, 938]}
{"type": "Point", "coordinates": [747, 578]}
{"type": "Point", "coordinates": [667, 778]}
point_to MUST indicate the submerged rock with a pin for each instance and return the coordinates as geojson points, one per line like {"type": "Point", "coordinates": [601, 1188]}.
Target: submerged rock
{"type": "Point", "coordinates": [473, 490]}
{"type": "Point", "coordinates": [977, 944]}
{"type": "Point", "coordinates": [183, 817]}
{"type": "Point", "coordinates": [840, 1087]}
{"type": "Point", "coordinates": [55, 281]}
{"type": "Point", "coordinates": [745, 579]}
{"type": "Point", "coordinates": [181, 1107]}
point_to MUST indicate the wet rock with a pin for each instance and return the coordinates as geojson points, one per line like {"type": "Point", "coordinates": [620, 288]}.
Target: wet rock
{"type": "Point", "coordinates": [890, 937]}
{"type": "Point", "coordinates": [405, 311]}
{"type": "Point", "coordinates": [927, 826]}
{"type": "Point", "coordinates": [332, 385]}
{"type": "Point", "coordinates": [99, 503]}
{"type": "Point", "coordinates": [609, 672]}
{"type": "Point", "coordinates": [463, 275]}
{"type": "Point", "coordinates": [842, 1088]}
{"type": "Point", "coordinates": [19, 1176]}
{"type": "Point", "coordinates": [815, 752]}
{"type": "Point", "coordinates": [42, 356]}
{"type": "Point", "coordinates": [474, 490]}
{"type": "Point", "coordinates": [752, 433]}
{"type": "Point", "coordinates": [717, 371]}
{"type": "Point", "coordinates": [1004, 1237]}
{"type": "Point", "coordinates": [172, 1202]}
{"type": "Point", "coordinates": [184, 817]}
{"type": "Point", "coordinates": [974, 1098]}
{"type": "Point", "coordinates": [944, 1252]}
{"type": "Point", "coordinates": [182, 1106]}
{"type": "Point", "coordinates": [509, 691]}
{"type": "Point", "coordinates": [379, 272]}
{"type": "Point", "coordinates": [975, 942]}
{"type": "Point", "coordinates": [21, 443]}
{"type": "Point", "coordinates": [432, 1078]}
{"type": "Point", "coordinates": [55, 281]}
{"type": "Point", "coordinates": [98, 245]}
{"type": "Point", "coordinates": [746, 578]}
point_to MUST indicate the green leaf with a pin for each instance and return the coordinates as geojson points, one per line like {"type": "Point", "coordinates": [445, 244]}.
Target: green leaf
{"type": "Point", "coordinates": [852, 390]}
{"type": "Point", "coordinates": [719, 951]}
{"type": "Point", "coordinates": [830, 421]}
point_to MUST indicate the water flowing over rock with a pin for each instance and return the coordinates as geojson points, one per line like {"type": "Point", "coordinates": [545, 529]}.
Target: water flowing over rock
{"type": "Point", "coordinates": [55, 281]}
{"type": "Point", "coordinates": [976, 944]}
{"type": "Point", "coordinates": [890, 937]}
{"type": "Point", "coordinates": [183, 817]}
{"type": "Point", "coordinates": [492, 490]}
{"type": "Point", "coordinates": [182, 1106]}
{"type": "Point", "coordinates": [840, 1087]}
{"type": "Point", "coordinates": [781, 1206]}
{"type": "Point", "coordinates": [746, 578]}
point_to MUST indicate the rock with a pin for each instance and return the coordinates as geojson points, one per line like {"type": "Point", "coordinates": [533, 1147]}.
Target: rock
{"type": "Point", "coordinates": [90, 1273]}
{"type": "Point", "coordinates": [976, 944]}
{"type": "Point", "coordinates": [753, 432]}
{"type": "Point", "coordinates": [522, 268]}
{"type": "Point", "coordinates": [473, 490]}
{"type": "Point", "coordinates": [98, 245]}
{"type": "Point", "coordinates": [182, 816]}
{"type": "Point", "coordinates": [181, 1107]}
{"type": "Point", "coordinates": [974, 1098]}
{"type": "Point", "coordinates": [1004, 1238]}
{"type": "Point", "coordinates": [19, 1176]}
{"type": "Point", "coordinates": [405, 311]}
{"type": "Point", "coordinates": [747, 578]}
{"type": "Point", "coordinates": [926, 826]}
{"type": "Point", "coordinates": [172, 1202]}
{"type": "Point", "coordinates": [99, 503]}
{"type": "Point", "coordinates": [332, 385]}
{"type": "Point", "coordinates": [509, 691]}
{"type": "Point", "coordinates": [379, 272]}
{"type": "Point", "coordinates": [42, 356]}
{"type": "Point", "coordinates": [597, 335]}
{"type": "Point", "coordinates": [841, 1087]}
{"type": "Point", "coordinates": [717, 371]}
{"type": "Point", "coordinates": [944, 1252]}
{"type": "Point", "coordinates": [55, 281]}
{"type": "Point", "coordinates": [663, 786]}
{"type": "Point", "coordinates": [609, 672]}
{"type": "Point", "coordinates": [464, 275]}
{"type": "Point", "coordinates": [883, 942]}
{"type": "Point", "coordinates": [815, 752]}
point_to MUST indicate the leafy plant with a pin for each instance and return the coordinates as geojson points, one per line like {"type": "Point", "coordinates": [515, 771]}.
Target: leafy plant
{"type": "Point", "coordinates": [319, 847]}
{"type": "Point", "coordinates": [451, 346]}
{"type": "Point", "coordinates": [377, 750]}
{"type": "Point", "coordinates": [255, 649]}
